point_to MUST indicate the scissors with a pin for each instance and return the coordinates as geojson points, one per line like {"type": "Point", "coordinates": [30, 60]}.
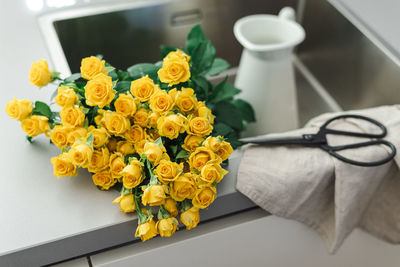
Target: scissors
{"type": "Point", "coordinates": [319, 140]}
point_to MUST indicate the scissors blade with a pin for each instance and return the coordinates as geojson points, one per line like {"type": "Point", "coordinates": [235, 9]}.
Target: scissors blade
{"type": "Point", "coordinates": [277, 140]}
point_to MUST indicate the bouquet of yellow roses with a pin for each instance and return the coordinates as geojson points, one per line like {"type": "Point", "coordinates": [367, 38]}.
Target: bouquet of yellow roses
{"type": "Point", "coordinates": [149, 132]}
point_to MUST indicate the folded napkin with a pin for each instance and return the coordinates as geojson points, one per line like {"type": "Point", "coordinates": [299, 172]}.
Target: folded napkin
{"type": "Point", "coordinates": [333, 197]}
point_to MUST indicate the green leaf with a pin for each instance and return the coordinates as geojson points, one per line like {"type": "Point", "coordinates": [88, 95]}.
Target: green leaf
{"type": "Point", "coordinates": [223, 91]}
{"type": "Point", "coordinates": [99, 56]}
{"type": "Point", "coordinates": [174, 149]}
{"type": "Point", "coordinates": [109, 68]}
{"type": "Point", "coordinates": [42, 109]}
{"type": "Point", "coordinates": [219, 65]}
{"type": "Point", "coordinates": [29, 138]}
{"type": "Point", "coordinates": [246, 109]}
{"type": "Point", "coordinates": [55, 75]}
{"type": "Point", "coordinates": [85, 110]}
{"type": "Point", "coordinates": [114, 83]}
{"type": "Point", "coordinates": [227, 113]}
{"type": "Point", "coordinates": [165, 50]}
{"type": "Point", "coordinates": [89, 140]}
{"type": "Point", "coordinates": [202, 87]}
{"type": "Point", "coordinates": [123, 75]}
{"type": "Point", "coordinates": [73, 77]}
{"type": "Point", "coordinates": [221, 129]}
{"type": "Point", "coordinates": [194, 38]}
{"type": "Point", "coordinates": [158, 141]}
{"type": "Point", "coordinates": [113, 74]}
{"type": "Point", "coordinates": [203, 57]}
{"type": "Point", "coordinates": [183, 154]}
{"type": "Point", "coordinates": [123, 86]}
{"type": "Point", "coordinates": [143, 69]}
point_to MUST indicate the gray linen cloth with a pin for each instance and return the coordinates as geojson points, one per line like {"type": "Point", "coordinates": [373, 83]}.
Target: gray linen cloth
{"type": "Point", "coordinates": [308, 185]}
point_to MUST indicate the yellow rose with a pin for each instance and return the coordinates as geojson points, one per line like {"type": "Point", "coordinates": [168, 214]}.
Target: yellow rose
{"type": "Point", "coordinates": [125, 147]}
{"type": "Point", "coordinates": [154, 195]}
{"type": "Point", "coordinates": [146, 230]}
{"type": "Point", "coordinates": [183, 187]}
{"type": "Point", "coordinates": [161, 102]}
{"type": "Point", "coordinates": [125, 105]}
{"type": "Point", "coordinates": [103, 179]}
{"type": "Point", "coordinates": [171, 125]}
{"type": "Point", "coordinates": [35, 125]}
{"type": "Point", "coordinates": [204, 197]}
{"type": "Point", "coordinates": [135, 134]}
{"type": "Point", "coordinates": [63, 166]}
{"type": "Point", "coordinates": [117, 164]}
{"type": "Point", "coordinates": [99, 160]}
{"type": "Point", "coordinates": [170, 206]}
{"type": "Point", "coordinates": [100, 136]}
{"type": "Point", "coordinates": [167, 171]}
{"type": "Point", "coordinates": [191, 142]}
{"type": "Point", "coordinates": [143, 88]}
{"type": "Point", "coordinates": [186, 100]}
{"type": "Point", "coordinates": [91, 66]}
{"type": "Point", "coordinates": [39, 73]}
{"type": "Point", "coordinates": [65, 96]}
{"type": "Point", "coordinates": [204, 112]}
{"type": "Point", "coordinates": [225, 150]}
{"type": "Point", "coordinates": [59, 136]}
{"type": "Point", "coordinates": [72, 116]}
{"type": "Point", "coordinates": [80, 155]}
{"type": "Point", "coordinates": [132, 174]}
{"type": "Point", "coordinates": [190, 218]}
{"type": "Point", "coordinates": [152, 119]}
{"type": "Point", "coordinates": [167, 227]}
{"type": "Point", "coordinates": [126, 203]}
{"type": "Point", "coordinates": [19, 109]}
{"type": "Point", "coordinates": [213, 143]}
{"type": "Point", "coordinates": [153, 152]}
{"type": "Point", "coordinates": [98, 91]}
{"type": "Point", "coordinates": [141, 117]}
{"type": "Point", "coordinates": [115, 123]}
{"type": "Point", "coordinates": [112, 144]}
{"type": "Point", "coordinates": [199, 126]}
{"type": "Point", "coordinates": [200, 157]}
{"type": "Point", "coordinates": [77, 133]}
{"type": "Point", "coordinates": [212, 172]}
{"type": "Point", "coordinates": [175, 69]}
{"type": "Point", "coordinates": [139, 146]}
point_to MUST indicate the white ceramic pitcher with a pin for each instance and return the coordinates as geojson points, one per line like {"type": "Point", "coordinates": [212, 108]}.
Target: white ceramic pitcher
{"type": "Point", "coordinates": [265, 72]}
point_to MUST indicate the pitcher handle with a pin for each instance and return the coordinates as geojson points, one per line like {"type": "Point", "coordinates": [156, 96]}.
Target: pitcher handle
{"type": "Point", "coordinates": [287, 13]}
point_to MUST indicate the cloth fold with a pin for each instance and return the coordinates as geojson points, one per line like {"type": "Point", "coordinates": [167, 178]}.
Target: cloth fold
{"type": "Point", "coordinates": [333, 197]}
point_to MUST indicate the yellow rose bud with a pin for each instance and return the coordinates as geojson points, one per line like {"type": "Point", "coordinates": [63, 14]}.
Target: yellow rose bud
{"type": "Point", "coordinates": [167, 227]}
{"type": "Point", "coordinates": [152, 119]}
{"type": "Point", "coordinates": [141, 117]}
{"type": "Point", "coordinates": [91, 66]}
{"type": "Point", "coordinates": [103, 179]}
{"type": "Point", "coordinates": [63, 166]}
{"type": "Point", "coordinates": [186, 100]}
{"type": "Point", "coordinates": [65, 96]}
{"type": "Point", "coordinates": [167, 171]}
{"type": "Point", "coordinates": [170, 206]}
{"type": "Point", "coordinates": [143, 88]}
{"type": "Point", "coordinates": [204, 112]}
{"type": "Point", "coordinates": [200, 157]}
{"type": "Point", "coordinates": [98, 91]}
{"type": "Point", "coordinates": [179, 54]}
{"type": "Point", "coordinates": [80, 155]}
{"type": "Point", "coordinates": [225, 150]}
{"type": "Point", "coordinates": [100, 136]}
{"type": "Point", "coordinates": [204, 197]}
{"type": "Point", "coordinates": [212, 172]}
{"type": "Point", "coordinates": [115, 123]}
{"type": "Point", "coordinates": [154, 195]}
{"type": "Point", "coordinates": [171, 125]}
{"type": "Point", "coordinates": [125, 147]}
{"type": "Point", "coordinates": [190, 218]}
{"type": "Point", "coordinates": [117, 164]}
{"type": "Point", "coordinates": [39, 73]}
{"type": "Point", "coordinates": [153, 152]}
{"type": "Point", "coordinates": [135, 134]}
{"type": "Point", "coordinates": [19, 109]}
{"type": "Point", "coordinates": [175, 69]}
{"type": "Point", "coordinates": [183, 187]}
{"type": "Point", "coordinates": [35, 125]}
{"type": "Point", "coordinates": [77, 133]}
{"type": "Point", "coordinates": [112, 144]}
{"type": "Point", "coordinates": [132, 174]}
{"type": "Point", "coordinates": [146, 230]}
{"type": "Point", "coordinates": [72, 116]}
{"type": "Point", "coordinates": [213, 143]}
{"type": "Point", "coordinates": [191, 142]}
{"type": "Point", "coordinates": [126, 203]}
{"type": "Point", "coordinates": [99, 160]}
{"type": "Point", "coordinates": [59, 136]}
{"type": "Point", "coordinates": [199, 126]}
{"type": "Point", "coordinates": [161, 102]}
{"type": "Point", "coordinates": [125, 105]}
